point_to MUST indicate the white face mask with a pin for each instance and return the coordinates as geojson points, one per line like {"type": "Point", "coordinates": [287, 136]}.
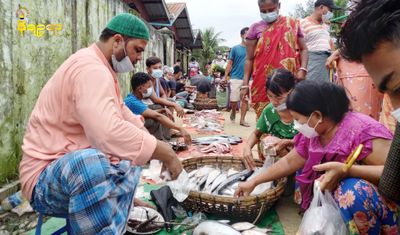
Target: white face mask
{"type": "Point", "coordinates": [157, 73]}
{"type": "Point", "coordinates": [219, 57]}
{"type": "Point", "coordinates": [328, 16]}
{"type": "Point", "coordinates": [396, 114]}
{"type": "Point", "coordinates": [148, 93]}
{"type": "Point", "coordinates": [281, 107]}
{"type": "Point", "coordinates": [123, 66]}
{"type": "Point", "coordinates": [305, 129]}
{"type": "Point", "coordinates": [269, 17]}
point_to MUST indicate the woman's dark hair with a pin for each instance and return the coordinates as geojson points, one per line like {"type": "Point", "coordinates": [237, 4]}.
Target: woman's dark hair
{"type": "Point", "coordinates": [309, 96]}
{"type": "Point", "coordinates": [193, 59]}
{"type": "Point", "coordinates": [280, 81]}
{"type": "Point", "coordinates": [139, 79]}
{"type": "Point", "coordinates": [263, 1]}
{"type": "Point", "coordinates": [152, 61]}
{"type": "Point", "coordinates": [371, 23]}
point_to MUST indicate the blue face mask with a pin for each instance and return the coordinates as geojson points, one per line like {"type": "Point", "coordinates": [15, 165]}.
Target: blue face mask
{"type": "Point", "coordinates": [269, 17]}
{"type": "Point", "coordinates": [157, 73]}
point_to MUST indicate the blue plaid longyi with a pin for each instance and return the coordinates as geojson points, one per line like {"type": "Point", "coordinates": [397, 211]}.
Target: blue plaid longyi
{"type": "Point", "coordinates": [94, 194]}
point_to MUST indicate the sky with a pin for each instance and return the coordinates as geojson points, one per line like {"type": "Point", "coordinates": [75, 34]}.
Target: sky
{"type": "Point", "coordinates": [228, 16]}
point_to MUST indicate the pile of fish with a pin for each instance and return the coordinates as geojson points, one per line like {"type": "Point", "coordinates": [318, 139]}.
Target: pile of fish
{"type": "Point", "coordinates": [207, 120]}
{"type": "Point", "coordinates": [206, 140]}
{"type": "Point", "coordinates": [216, 147]}
{"type": "Point", "coordinates": [216, 181]}
{"type": "Point", "coordinates": [210, 227]}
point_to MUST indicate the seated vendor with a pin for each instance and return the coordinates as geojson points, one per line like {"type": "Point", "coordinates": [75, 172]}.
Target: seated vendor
{"type": "Point", "coordinates": [83, 148]}
{"type": "Point", "coordinates": [329, 132]}
{"type": "Point", "coordinates": [159, 96]}
{"type": "Point", "coordinates": [202, 84]}
{"type": "Point", "coordinates": [157, 123]}
{"type": "Point", "coordinates": [276, 119]}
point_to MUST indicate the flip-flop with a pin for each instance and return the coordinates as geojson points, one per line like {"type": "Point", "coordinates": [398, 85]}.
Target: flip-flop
{"type": "Point", "coordinates": [245, 124]}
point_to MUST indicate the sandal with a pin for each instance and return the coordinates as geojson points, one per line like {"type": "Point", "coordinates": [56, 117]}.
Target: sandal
{"type": "Point", "coordinates": [245, 124]}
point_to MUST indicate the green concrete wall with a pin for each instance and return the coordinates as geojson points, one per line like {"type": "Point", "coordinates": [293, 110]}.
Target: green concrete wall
{"type": "Point", "coordinates": [27, 61]}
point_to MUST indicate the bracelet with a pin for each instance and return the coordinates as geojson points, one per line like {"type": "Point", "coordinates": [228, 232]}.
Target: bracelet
{"type": "Point", "coordinates": [352, 158]}
{"type": "Point", "coordinates": [244, 87]}
{"type": "Point", "coordinates": [304, 69]}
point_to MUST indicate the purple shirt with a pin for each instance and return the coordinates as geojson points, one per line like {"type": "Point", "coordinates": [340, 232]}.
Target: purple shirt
{"type": "Point", "coordinates": [256, 30]}
{"type": "Point", "coordinates": [355, 129]}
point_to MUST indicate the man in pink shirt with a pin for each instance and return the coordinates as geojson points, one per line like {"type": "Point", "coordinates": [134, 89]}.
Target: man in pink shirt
{"type": "Point", "coordinates": [83, 148]}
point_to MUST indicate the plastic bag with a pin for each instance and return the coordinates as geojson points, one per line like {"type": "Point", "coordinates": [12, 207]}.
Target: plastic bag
{"type": "Point", "coordinates": [323, 216]}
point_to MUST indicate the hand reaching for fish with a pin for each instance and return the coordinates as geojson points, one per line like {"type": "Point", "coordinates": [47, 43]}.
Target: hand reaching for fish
{"type": "Point", "coordinates": [244, 189]}
{"type": "Point", "coordinates": [167, 156]}
{"type": "Point", "coordinates": [174, 167]}
{"type": "Point", "coordinates": [248, 157]}
{"type": "Point", "coordinates": [186, 136]}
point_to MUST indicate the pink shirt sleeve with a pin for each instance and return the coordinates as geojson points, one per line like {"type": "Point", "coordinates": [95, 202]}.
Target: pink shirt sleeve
{"type": "Point", "coordinates": [108, 127]}
{"type": "Point", "coordinates": [301, 144]}
{"type": "Point", "coordinates": [252, 33]}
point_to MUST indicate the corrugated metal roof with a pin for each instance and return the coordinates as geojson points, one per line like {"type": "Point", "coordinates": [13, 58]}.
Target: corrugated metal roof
{"type": "Point", "coordinates": [175, 9]}
{"type": "Point", "coordinates": [171, 15]}
{"type": "Point", "coordinates": [181, 22]}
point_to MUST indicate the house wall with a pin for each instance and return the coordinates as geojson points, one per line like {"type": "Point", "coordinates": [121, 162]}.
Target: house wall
{"type": "Point", "coordinates": [27, 61]}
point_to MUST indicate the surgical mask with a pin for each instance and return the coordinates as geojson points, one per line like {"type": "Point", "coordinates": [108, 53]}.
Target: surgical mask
{"type": "Point", "coordinates": [396, 114]}
{"type": "Point", "coordinates": [148, 93]}
{"type": "Point", "coordinates": [269, 17]}
{"type": "Point", "coordinates": [157, 73]}
{"type": "Point", "coordinates": [123, 66]}
{"type": "Point", "coordinates": [281, 107]}
{"type": "Point", "coordinates": [305, 129]}
{"type": "Point", "coordinates": [328, 16]}
{"type": "Point", "coordinates": [219, 57]}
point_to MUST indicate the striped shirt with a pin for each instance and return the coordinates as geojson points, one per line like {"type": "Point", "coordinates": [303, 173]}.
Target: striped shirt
{"type": "Point", "coordinates": [316, 35]}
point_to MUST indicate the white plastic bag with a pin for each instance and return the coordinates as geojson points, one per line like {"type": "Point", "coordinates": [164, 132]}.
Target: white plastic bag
{"type": "Point", "coordinates": [323, 216]}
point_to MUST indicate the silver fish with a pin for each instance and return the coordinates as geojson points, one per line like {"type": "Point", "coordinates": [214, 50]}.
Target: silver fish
{"type": "Point", "coordinates": [212, 176]}
{"type": "Point", "coordinates": [210, 227]}
{"type": "Point", "coordinates": [221, 178]}
{"type": "Point", "coordinates": [232, 172]}
{"type": "Point", "coordinates": [233, 179]}
{"type": "Point", "coordinates": [205, 170]}
{"type": "Point", "coordinates": [242, 226]}
{"type": "Point", "coordinates": [193, 173]}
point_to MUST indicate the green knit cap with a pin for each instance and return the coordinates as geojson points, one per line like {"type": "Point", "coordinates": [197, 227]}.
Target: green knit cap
{"type": "Point", "coordinates": [129, 25]}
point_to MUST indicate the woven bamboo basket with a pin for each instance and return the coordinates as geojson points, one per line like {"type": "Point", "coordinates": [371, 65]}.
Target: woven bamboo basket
{"type": "Point", "coordinates": [204, 104]}
{"type": "Point", "coordinates": [250, 208]}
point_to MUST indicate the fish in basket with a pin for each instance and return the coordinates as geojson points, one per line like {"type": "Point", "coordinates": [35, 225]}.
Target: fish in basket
{"type": "Point", "coordinates": [215, 180]}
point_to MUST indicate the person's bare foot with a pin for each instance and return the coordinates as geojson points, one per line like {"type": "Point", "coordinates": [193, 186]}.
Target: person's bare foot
{"type": "Point", "coordinates": [233, 116]}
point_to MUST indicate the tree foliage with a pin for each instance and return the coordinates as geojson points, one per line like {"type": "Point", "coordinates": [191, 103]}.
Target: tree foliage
{"type": "Point", "coordinates": [211, 44]}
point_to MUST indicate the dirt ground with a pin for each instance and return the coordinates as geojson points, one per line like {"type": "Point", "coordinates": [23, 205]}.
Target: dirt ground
{"type": "Point", "coordinates": [286, 208]}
